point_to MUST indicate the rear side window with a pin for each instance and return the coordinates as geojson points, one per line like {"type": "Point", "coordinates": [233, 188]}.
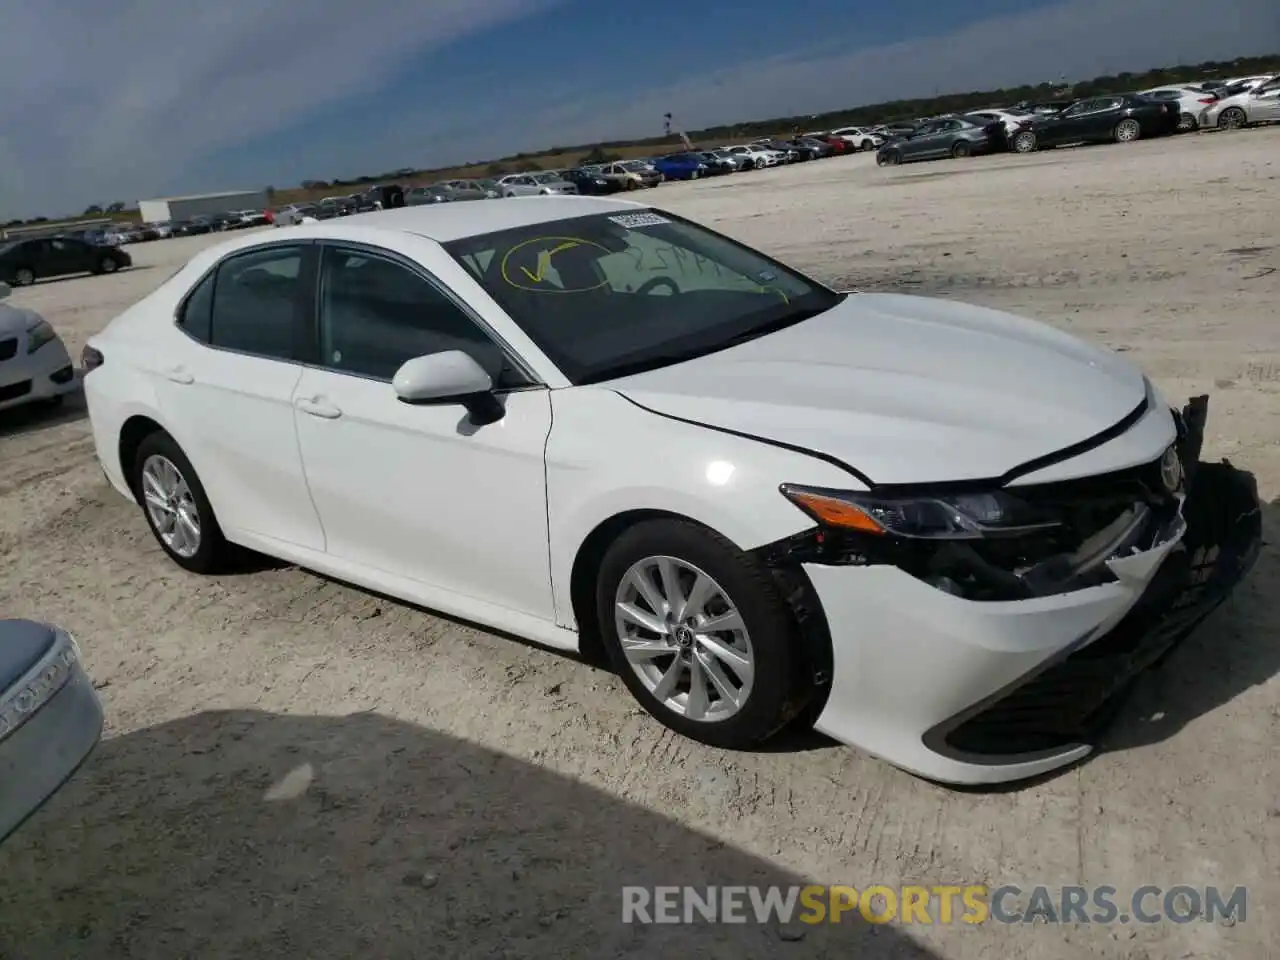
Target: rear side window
{"type": "Point", "coordinates": [197, 313]}
{"type": "Point", "coordinates": [255, 301]}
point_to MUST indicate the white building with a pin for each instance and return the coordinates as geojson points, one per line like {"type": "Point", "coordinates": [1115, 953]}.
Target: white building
{"type": "Point", "coordinates": [184, 208]}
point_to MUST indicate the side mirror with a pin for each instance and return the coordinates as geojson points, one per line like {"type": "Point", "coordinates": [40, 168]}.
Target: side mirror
{"type": "Point", "coordinates": [450, 376]}
{"type": "Point", "coordinates": [5, 290]}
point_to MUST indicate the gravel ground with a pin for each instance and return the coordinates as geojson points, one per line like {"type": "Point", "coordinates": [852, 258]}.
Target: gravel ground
{"type": "Point", "coordinates": [296, 767]}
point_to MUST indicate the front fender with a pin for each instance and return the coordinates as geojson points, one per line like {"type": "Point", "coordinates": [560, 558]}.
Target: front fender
{"type": "Point", "coordinates": [606, 456]}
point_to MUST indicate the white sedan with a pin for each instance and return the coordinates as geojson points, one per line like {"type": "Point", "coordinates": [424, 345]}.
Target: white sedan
{"type": "Point", "coordinates": [942, 534]}
{"type": "Point", "coordinates": [1191, 103]}
{"type": "Point", "coordinates": [34, 364]}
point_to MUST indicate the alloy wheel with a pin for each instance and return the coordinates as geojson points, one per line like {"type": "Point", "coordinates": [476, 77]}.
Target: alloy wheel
{"type": "Point", "coordinates": [1127, 131]}
{"type": "Point", "coordinates": [24, 277]}
{"type": "Point", "coordinates": [1231, 119]}
{"type": "Point", "coordinates": [170, 505]}
{"type": "Point", "coordinates": [684, 638]}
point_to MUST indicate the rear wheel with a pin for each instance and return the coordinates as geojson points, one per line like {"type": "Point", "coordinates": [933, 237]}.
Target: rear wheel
{"type": "Point", "coordinates": [867, 145]}
{"type": "Point", "coordinates": [961, 149]}
{"type": "Point", "coordinates": [108, 264]}
{"type": "Point", "coordinates": [1232, 118]}
{"type": "Point", "coordinates": [176, 506]}
{"type": "Point", "coordinates": [1127, 131]}
{"type": "Point", "coordinates": [1186, 123]}
{"type": "Point", "coordinates": [758, 163]}
{"type": "Point", "coordinates": [1024, 142]}
{"type": "Point", "coordinates": [699, 634]}
{"type": "Point", "coordinates": [889, 159]}
{"type": "Point", "coordinates": [24, 277]}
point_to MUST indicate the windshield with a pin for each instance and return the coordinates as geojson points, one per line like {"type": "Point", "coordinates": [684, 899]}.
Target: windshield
{"type": "Point", "coordinates": [608, 295]}
{"type": "Point", "coordinates": [546, 177]}
{"type": "Point", "coordinates": [636, 165]}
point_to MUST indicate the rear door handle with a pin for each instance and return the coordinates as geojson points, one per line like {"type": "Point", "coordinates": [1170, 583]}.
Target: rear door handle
{"type": "Point", "coordinates": [317, 407]}
{"type": "Point", "coordinates": [178, 375]}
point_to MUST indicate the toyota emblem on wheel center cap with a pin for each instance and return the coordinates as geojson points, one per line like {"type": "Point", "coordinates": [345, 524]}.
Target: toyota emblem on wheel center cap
{"type": "Point", "coordinates": [684, 636]}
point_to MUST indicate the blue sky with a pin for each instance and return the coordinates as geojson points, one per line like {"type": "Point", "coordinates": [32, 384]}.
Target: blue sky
{"type": "Point", "coordinates": [141, 98]}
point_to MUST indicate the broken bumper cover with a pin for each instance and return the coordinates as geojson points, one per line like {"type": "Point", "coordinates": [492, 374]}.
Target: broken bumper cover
{"type": "Point", "coordinates": [984, 692]}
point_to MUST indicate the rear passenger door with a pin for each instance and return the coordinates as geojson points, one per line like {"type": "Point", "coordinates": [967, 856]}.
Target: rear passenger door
{"type": "Point", "coordinates": [226, 391]}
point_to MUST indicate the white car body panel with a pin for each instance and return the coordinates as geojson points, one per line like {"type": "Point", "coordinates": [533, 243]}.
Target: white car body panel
{"type": "Point", "coordinates": [906, 415]}
{"type": "Point", "coordinates": [21, 366]}
{"type": "Point", "coordinates": [1260, 103]}
{"type": "Point", "coordinates": [1190, 102]}
{"type": "Point", "coordinates": [334, 473]}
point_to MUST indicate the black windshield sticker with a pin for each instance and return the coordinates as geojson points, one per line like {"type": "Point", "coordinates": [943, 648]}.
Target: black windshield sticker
{"type": "Point", "coordinates": [632, 220]}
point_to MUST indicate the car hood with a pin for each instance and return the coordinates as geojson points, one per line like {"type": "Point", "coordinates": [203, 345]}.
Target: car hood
{"type": "Point", "coordinates": [14, 321]}
{"type": "Point", "coordinates": [905, 389]}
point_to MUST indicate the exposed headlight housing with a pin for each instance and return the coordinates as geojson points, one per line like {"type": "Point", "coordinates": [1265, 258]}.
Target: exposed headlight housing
{"type": "Point", "coordinates": [946, 516]}
{"type": "Point", "coordinates": [38, 334]}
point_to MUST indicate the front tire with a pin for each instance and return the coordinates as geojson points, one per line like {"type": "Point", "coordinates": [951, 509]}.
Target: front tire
{"type": "Point", "coordinates": [176, 506]}
{"type": "Point", "coordinates": [1186, 123]}
{"type": "Point", "coordinates": [24, 277]}
{"type": "Point", "coordinates": [961, 150]}
{"type": "Point", "coordinates": [699, 634]}
{"type": "Point", "coordinates": [890, 159]}
{"type": "Point", "coordinates": [108, 264]}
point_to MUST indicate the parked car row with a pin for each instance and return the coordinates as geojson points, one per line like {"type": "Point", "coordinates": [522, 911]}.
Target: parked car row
{"type": "Point", "coordinates": [1111, 118]}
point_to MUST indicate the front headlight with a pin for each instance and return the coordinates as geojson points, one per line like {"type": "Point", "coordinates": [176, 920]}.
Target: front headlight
{"type": "Point", "coordinates": [38, 334]}
{"type": "Point", "coordinates": [943, 516]}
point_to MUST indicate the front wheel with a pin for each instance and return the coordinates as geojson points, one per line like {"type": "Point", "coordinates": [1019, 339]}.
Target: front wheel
{"type": "Point", "coordinates": [1024, 142]}
{"type": "Point", "coordinates": [1233, 118]}
{"type": "Point", "coordinates": [699, 634]}
{"type": "Point", "coordinates": [176, 506]}
{"type": "Point", "coordinates": [108, 264]}
{"type": "Point", "coordinates": [1127, 131]}
{"type": "Point", "coordinates": [961, 149]}
{"type": "Point", "coordinates": [24, 277]}
{"type": "Point", "coordinates": [1186, 123]}
{"type": "Point", "coordinates": [890, 159]}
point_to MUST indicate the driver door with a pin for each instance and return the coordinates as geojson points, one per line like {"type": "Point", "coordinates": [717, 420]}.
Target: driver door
{"type": "Point", "coordinates": [418, 490]}
{"type": "Point", "coordinates": [1066, 126]}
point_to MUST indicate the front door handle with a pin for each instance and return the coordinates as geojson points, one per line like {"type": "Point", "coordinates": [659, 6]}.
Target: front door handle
{"type": "Point", "coordinates": [318, 407]}
{"type": "Point", "coordinates": [178, 375]}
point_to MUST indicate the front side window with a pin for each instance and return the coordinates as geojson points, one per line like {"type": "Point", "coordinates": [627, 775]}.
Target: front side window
{"type": "Point", "coordinates": [375, 314]}
{"type": "Point", "coordinates": [255, 302]}
{"type": "Point", "coordinates": [610, 294]}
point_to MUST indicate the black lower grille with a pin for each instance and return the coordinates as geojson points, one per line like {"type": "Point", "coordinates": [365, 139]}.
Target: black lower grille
{"type": "Point", "coordinates": [64, 375]}
{"type": "Point", "coordinates": [15, 390]}
{"type": "Point", "coordinates": [8, 348]}
{"type": "Point", "coordinates": [1071, 701]}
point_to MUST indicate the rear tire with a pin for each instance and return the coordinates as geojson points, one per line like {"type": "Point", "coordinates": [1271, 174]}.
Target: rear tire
{"type": "Point", "coordinates": [758, 655]}
{"type": "Point", "coordinates": [1024, 142]}
{"type": "Point", "coordinates": [108, 264]}
{"type": "Point", "coordinates": [1232, 118]}
{"type": "Point", "coordinates": [1187, 123]}
{"type": "Point", "coordinates": [1127, 131]}
{"type": "Point", "coordinates": [211, 553]}
{"type": "Point", "coordinates": [24, 277]}
{"type": "Point", "coordinates": [961, 150]}
{"type": "Point", "coordinates": [890, 159]}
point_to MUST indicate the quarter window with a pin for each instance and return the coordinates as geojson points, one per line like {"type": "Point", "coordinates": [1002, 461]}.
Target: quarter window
{"type": "Point", "coordinates": [197, 312]}
{"type": "Point", "coordinates": [376, 314]}
{"type": "Point", "coordinates": [255, 299]}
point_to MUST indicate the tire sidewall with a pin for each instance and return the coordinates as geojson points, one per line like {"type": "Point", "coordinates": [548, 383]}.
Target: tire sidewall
{"type": "Point", "coordinates": [210, 555]}
{"type": "Point", "coordinates": [774, 698]}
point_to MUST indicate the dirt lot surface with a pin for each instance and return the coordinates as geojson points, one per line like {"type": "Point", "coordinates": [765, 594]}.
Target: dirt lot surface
{"type": "Point", "coordinates": [297, 768]}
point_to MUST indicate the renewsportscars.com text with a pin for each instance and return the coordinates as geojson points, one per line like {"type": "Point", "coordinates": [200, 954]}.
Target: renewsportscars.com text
{"type": "Point", "coordinates": [940, 904]}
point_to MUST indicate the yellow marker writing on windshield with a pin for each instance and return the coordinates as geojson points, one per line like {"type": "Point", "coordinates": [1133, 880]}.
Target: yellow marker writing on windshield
{"type": "Point", "coordinates": [544, 261]}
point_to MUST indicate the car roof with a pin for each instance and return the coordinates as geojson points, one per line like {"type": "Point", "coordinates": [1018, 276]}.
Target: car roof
{"type": "Point", "coordinates": [445, 222]}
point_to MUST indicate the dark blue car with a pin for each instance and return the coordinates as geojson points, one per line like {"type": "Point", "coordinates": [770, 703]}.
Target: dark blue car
{"type": "Point", "coordinates": [681, 166]}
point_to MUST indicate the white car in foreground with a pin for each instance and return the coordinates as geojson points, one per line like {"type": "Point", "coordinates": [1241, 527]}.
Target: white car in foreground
{"type": "Point", "coordinates": [1191, 103]}
{"type": "Point", "coordinates": [34, 364]}
{"type": "Point", "coordinates": [945, 535]}
{"type": "Point", "coordinates": [1242, 106]}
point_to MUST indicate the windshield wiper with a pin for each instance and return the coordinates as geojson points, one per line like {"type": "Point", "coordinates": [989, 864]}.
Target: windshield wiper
{"type": "Point", "coordinates": [773, 326]}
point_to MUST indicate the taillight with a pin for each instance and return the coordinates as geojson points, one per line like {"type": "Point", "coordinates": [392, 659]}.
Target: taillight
{"type": "Point", "coordinates": [1209, 100]}
{"type": "Point", "coordinates": [90, 359]}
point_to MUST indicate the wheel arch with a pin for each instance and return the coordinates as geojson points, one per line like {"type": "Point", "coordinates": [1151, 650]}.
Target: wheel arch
{"type": "Point", "coordinates": [133, 431]}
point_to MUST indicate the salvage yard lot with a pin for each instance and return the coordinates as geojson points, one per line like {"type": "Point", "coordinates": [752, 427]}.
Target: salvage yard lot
{"type": "Point", "coordinates": [453, 788]}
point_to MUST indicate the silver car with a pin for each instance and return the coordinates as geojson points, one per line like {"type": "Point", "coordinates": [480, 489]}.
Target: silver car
{"type": "Point", "coordinates": [50, 717]}
{"type": "Point", "coordinates": [534, 184]}
{"type": "Point", "coordinates": [1237, 107]}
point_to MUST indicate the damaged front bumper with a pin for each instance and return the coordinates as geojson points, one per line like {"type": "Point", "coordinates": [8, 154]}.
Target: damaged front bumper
{"type": "Point", "coordinates": [963, 691]}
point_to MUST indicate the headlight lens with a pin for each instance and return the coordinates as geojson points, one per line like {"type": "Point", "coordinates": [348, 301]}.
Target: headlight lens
{"type": "Point", "coordinates": [949, 516]}
{"type": "Point", "coordinates": [38, 334]}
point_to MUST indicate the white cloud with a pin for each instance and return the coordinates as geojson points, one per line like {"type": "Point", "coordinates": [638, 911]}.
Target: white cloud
{"type": "Point", "coordinates": [110, 101]}
{"type": "Point", "coordinates": [125, 99]}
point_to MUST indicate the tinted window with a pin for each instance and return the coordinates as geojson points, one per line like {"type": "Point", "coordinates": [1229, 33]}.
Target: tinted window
{"type": "Point", "coordinates": [375, 314]}
{"type": "Point", "coordinates": [197, 312]}
{"type": "Point", "coordinates": [255, 299]}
